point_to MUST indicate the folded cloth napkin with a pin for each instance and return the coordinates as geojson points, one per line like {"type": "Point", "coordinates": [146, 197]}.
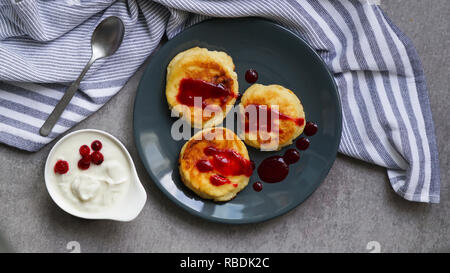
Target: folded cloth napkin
{"type": "Point", "coordinates": [44, 45]}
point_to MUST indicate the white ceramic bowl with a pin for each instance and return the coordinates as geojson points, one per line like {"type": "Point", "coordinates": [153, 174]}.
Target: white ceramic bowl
{"type": "Point", "coordinates": [125, 210]}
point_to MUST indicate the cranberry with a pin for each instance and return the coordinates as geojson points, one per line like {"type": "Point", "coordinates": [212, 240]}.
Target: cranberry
{"type": "Point", "coordinates": [96, 145]}
{"type": "Point", "coordinates": [83, 165]}
{"type": "Point", "coordinates": [97, 158]}
{"type": "Point", "coordinates": [85, 150]}
{"type": "Point", "coordinates": [251, 76]}
{"type": "Point", "coordinates": [86, 159]}
{"type": "Point", "coordinates": [61, 167]}
{"type": "Point", "coordinates": [239, 96]}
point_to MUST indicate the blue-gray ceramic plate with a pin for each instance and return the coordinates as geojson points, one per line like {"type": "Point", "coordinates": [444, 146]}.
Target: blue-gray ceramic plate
{"type": "Point", "coordinates": [280, 57]}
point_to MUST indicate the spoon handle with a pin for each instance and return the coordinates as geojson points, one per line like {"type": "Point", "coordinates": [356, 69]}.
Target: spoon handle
{"type": "Point", "coordinates": [62, 104]}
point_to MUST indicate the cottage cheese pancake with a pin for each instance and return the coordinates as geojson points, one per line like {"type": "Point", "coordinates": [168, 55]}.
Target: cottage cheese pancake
{"type": "Point", "coordinates": [206, 75]}
{"type": "Point", "coordinates": [272, 116]}
{"type": "Point", "coordinates": [215, 164]}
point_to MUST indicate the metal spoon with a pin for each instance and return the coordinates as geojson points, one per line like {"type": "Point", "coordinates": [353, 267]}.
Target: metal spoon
{"type": "Point", "coordinates": [105, 40]}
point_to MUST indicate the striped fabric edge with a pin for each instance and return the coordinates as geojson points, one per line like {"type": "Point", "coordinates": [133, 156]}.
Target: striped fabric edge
{"type": "Point", "coordinates": [419, 76]}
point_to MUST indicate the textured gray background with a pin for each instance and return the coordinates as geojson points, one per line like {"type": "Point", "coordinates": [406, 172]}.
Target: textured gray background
{"type": "Point", "coordinates": [353, 206]}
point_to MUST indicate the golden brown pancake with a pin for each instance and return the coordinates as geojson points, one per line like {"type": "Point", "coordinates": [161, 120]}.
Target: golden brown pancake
{"type": "Point", "coordinates": [213, 68]}
{"type": "Point", "coordinates": [226, 159]}
{"type": "Point", "coordinates": [272, 100]}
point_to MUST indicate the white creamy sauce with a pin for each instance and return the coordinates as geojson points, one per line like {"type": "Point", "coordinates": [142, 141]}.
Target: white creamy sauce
{"type": "Point", "coordinates": [101, 186]}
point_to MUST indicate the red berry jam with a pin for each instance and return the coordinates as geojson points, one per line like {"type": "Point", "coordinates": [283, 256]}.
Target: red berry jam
{"type": "Point", "coordinates": [219, 180]}
{"type": "Point", "coordinates": [251, 76]}
{"type": "Point", "coordinates": [276, 168]}
{"type": "Point", "coordinates": [204, 166]}
{"type": "Point", "coordinates": [191, 88]}
{"type": "Point", "coordinates": [85, 150]}
{"type": "Point", "coordinates": [96, 145]}
{"type": "Point", "coordinates": [228, 162]}
{"type": "Point", "coordinates": [270, 114]}
{"type": "Point", "coordinates": [302, 143]}
{"type": "Point", "coordinates": [225, 162]}
{"type": "Point", "coordinates": [61, 167]}
{"type": "Point", "coordinates": [273, 169]}
{"type": "Point", "coordinates": [257, 186]}
{"type": "Point", "coordinates": [291, 156]}
{"type": "Point", "coordinates": [310, 128]}
{"type": "Point", "coordinates": [97, 158]}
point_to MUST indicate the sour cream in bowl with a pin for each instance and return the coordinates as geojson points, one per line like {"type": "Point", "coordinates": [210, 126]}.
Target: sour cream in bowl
{"type": "Point", "coordinates": [90, 174]}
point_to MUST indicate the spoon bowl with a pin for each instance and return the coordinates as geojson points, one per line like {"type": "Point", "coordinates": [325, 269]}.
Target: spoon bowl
{"type": "Point", "coordinates": [107, 37]}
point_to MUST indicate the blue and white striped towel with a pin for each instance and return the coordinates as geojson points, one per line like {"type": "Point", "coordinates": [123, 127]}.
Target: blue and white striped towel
{"type": "Point", "coordinates": [387, 119]}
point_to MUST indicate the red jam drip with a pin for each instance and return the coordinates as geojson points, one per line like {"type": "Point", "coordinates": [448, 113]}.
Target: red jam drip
{"type": "Point", "coordinates": [270, 121]}
{"type": "Point", "coordinates": [273, 169]}
{"type": "Point", "coordinates": [302, 143]}
{"type": "Point", "coordinates": [257, 186]}
{"type": "Point", "coordinates": [291, 156]}
{"type": "Point", "coordinates": [276, 168]}
{"type": "Point", "coordinates": [191, 88]}
{"type": "Point", "coordinates": [310, 128]}
{"type": "Point", "coordinates": [228, 162]}
{"type": "Point", "coordinates": [251, 76]}
{"type": "Point", "coordinates": [204, 166]}
{"type": "Point", "coordinates": [219, 180]}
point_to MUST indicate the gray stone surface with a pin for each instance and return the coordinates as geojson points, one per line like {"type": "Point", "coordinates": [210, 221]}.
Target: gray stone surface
{"type": "Point", "coordinates": [353, 206]}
